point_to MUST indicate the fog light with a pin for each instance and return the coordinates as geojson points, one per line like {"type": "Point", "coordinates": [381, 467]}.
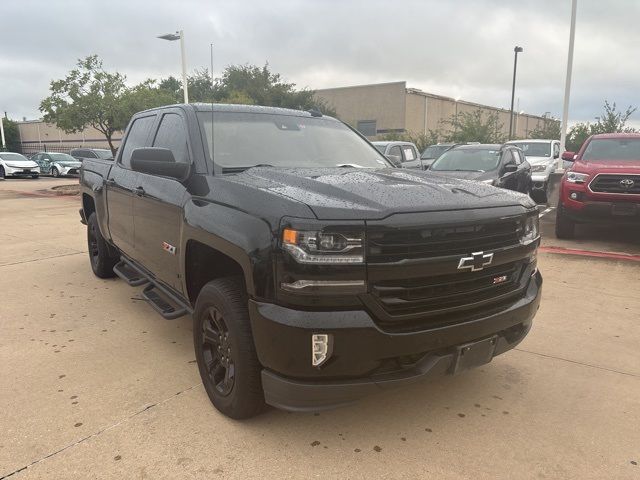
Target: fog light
{"type": "Point", "coordinates": [573, 196]}
{"type": "Point", "coordinates": [320, 348]}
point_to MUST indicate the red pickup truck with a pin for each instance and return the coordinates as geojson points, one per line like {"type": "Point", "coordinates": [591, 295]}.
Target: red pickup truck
{"type": "Point", "coordinates": [603, 184]}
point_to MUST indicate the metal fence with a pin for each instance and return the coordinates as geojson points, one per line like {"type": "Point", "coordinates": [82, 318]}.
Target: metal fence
{"type": "Point", "coordinates": [30, 148]}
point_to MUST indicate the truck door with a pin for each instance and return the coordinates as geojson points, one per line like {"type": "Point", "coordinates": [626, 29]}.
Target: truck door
{"type": "Point", "coordinates": [121, 184]}
{"type": "Point", "coordinates": [158, 207]}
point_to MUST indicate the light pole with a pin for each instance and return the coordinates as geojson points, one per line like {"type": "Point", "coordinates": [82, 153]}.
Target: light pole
{"type": "Point", "coordinates": [513, 88]}
{"type": "Point", "coordinates": [180, 36]}
{"type": "Point", "coordinates": [567, 87]}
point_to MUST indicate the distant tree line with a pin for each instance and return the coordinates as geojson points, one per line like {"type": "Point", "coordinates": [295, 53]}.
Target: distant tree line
{"type": "Point", "coordinates": [91, 96]}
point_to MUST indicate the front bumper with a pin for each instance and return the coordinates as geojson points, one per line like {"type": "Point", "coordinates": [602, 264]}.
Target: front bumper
{"type": "Point", "coordinates": [365, 358]}
{"type": "Point", "coordinates": [21, 171]}
{"type": "Point", "coordinates": [539, 181]}
{"type": "Point", "coordinates": [64, 171]}
{"type": "Point", "coordinates": [618, 213]}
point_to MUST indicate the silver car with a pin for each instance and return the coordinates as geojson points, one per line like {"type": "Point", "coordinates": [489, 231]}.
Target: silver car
{"type": "Point", "coordinates": [542, 155]}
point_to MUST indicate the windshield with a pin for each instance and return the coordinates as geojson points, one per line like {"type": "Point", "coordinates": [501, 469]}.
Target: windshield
{"type": "Point", "coordinates": [243, 139]}
{"type": "Point", "coordinates": [62, 157]}
{"type": "Point", "coordinates": [104, 154]}
{"type": "Point", "coordinates": [535, 149]}
{"type": "Point", "coordinates": [612, 149]}
{"type": "Point", "coordinates": [434, 151]}
{"type": "Point", "coordinates": [468, 160]}
{"type": "Point", "coordinates": [15, 157]}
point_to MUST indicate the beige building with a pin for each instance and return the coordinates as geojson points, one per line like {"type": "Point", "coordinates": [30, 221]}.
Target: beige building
{"type": "Point", "coordinates": [37, 136]}
{"type": "Point", "coordinates": [383, 108]}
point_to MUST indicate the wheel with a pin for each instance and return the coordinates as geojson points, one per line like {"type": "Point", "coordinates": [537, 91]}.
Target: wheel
{"type": "Point", "coordinates": [35, 176]}
{"type": "Point", "coordinates": [101, 255]}
{"type": "Point", "coordinates": [2, 175]}
{"type": "Point", "coordinates": [224, 348]}
{"type": "Point", "coordinates": [565, 227]}
{"type": "Point", "coordinates": [54, 172]}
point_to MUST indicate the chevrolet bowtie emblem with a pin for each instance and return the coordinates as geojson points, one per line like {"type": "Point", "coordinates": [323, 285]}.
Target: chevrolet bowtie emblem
{"type": "Point", "coordinates": [477, 261]}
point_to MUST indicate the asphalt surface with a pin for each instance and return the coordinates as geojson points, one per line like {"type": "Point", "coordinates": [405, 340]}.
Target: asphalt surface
{"type": "Point", "coordinates": [97, 385]}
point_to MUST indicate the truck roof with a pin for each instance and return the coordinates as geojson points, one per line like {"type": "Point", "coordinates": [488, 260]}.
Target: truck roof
{"type": "Point", "coordinates": [225, 107]}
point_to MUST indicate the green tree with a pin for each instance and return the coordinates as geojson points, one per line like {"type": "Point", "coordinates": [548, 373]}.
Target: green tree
{"type": "Point", "coordinates": [474, 126]}
{"type": "Point", "coordinates": [11, 135]}
{"type": "Point", "coordinates": [244, 84]}
{"type": "Point", "coordinates": [550, 129]}
{"type": "Point", "coordinates": [91, 96]}
{"type": "Point", "coordinates": [611, 121]}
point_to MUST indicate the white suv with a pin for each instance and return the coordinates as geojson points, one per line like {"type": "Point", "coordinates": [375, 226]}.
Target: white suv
{"type": "Point", "coordinates": [542, 155]}
{"type": "Point", "coordinates": [16, 165]}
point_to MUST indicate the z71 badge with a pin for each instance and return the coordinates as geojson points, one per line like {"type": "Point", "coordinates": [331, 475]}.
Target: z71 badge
{"type": "Point", "coordinates": [169, 248]}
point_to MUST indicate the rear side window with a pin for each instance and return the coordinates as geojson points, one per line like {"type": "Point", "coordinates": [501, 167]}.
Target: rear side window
{"type": "Point", "coordinates": [409, 153]}
{"type": "Point", "coordinates": [172, 135]}
{"type": "Point", "coordinates": [137, 138]}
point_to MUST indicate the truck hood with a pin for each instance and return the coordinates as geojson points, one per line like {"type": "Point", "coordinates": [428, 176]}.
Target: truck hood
{"type": "Point", "coordinates": [352, 193]}
{"type": "Point", "coordinates": [539, 160]}
{"type": "Point", "coordinates": [607, 166]}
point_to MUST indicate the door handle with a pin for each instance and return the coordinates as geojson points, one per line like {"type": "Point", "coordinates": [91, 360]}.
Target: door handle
{"type": "Point", "coordinates": [139, 191]}
{"type": "Point", "coordinates": [110, 182]}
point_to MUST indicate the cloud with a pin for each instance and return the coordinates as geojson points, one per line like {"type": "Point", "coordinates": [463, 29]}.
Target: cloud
{"type": "Point", "coordinates": [462, 48]}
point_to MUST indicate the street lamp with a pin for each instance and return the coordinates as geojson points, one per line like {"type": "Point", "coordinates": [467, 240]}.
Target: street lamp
{"type": "Point", "coordinates": [513, 87]}
{"type": "Point", "coordinates": [180, 36]}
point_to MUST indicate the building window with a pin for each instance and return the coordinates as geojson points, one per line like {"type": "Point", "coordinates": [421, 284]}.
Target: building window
{"type": "Point", "coordinates": [367, 128]}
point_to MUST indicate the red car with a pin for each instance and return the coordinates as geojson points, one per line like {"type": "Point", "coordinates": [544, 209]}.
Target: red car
{"type": "Point", "coordinates": [603, 184]}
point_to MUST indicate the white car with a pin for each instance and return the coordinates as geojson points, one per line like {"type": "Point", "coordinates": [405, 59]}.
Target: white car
{"type": "Point", "coordinates": [542, 155]}
{"type": "Point", "coordinates": [16, 165]}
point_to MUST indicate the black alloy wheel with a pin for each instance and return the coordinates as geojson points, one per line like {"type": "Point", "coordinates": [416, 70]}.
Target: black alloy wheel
{"type": "Point", "coordinates": [218, 352]}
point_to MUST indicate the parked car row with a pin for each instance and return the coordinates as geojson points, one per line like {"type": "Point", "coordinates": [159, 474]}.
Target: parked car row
{"type": "Point", "coordinates": [14, 164]}
{"type": "Point", "coordinates": [520, 165]}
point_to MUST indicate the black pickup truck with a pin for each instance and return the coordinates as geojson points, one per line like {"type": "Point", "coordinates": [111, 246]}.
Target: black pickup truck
{"type": "Point", "coordinates": [315, 272]}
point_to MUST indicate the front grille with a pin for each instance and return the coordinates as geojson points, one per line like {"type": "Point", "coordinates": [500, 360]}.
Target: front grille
{"type": "Point", "coordinates": [394, 245]}
{"type": "Point", "coordinates": [619, 184]}
{"type": "Point", "coordinates": [444, 294]}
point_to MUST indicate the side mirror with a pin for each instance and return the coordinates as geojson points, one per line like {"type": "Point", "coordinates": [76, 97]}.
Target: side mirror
{"type": "Point", "coordinates": [569, 156]}
{"type": "Point", "coordinates": [395, 160]}
{"type": "Point", "coordinates": [510, 168]}
{"type": "Point", "coordinates": [158, 161]}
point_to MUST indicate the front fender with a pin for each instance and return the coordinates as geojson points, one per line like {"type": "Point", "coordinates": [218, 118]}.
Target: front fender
{"type": "Point", "coordinates": [243, 237]}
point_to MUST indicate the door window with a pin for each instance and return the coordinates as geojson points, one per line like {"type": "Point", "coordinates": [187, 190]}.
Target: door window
{"type": "Point", "coordinates": [517, 157]}
{"type": "Point", "coordinates": [172, 135]}
{"type": "Point", "coordinates": [137, 138]}
{"type": "Point", "coordinates": [556, 150]}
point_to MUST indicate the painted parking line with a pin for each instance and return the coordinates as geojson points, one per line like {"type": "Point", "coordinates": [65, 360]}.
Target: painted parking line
{"type": "Point", "coordinates": [545, 211]}
{"type": "Point", "coordinates": [591, 253]}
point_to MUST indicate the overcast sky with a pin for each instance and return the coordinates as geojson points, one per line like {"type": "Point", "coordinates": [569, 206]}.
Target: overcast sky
{"type": "Point", "coordinates": [461, 48]}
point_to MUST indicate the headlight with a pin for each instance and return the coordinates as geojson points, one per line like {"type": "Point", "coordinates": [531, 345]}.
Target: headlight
{"type": "Point", "coordinates": [323, 248]}
{"type": "Point", "coordinates": [538, 168]}
{"type": "Point", "coordinates": [575, 177]}
{"type": "Point", "coordinates": [531, 229]}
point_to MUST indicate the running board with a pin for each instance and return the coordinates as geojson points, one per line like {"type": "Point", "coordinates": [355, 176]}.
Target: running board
{"type": "Point", "coordinates": [129, 274]}
{"type": "Point", "coordinates": [163, 303]}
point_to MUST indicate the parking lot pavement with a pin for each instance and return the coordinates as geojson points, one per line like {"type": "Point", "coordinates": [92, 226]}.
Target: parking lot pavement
{"type": "Point", "coordinates": [95, 384]}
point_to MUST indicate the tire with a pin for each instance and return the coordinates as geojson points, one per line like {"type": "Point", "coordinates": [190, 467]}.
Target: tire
{"type": "Point", "coordinates": [2, 175]}
{"type": "Point", "coordinates": [34, 176]}
{"type": "Point", "coordinates": [101, 255]}
{"type": "Point", "coordinates": [54, 172]}
{"type": "Point", "coordinates": [565, 227]}
{"type": "Point", "coordinates": [231, 378]}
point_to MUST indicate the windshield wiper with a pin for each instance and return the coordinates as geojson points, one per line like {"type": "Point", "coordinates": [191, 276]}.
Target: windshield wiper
{"type": "Point", "coordinates": [468, 170]}
{"type": "Point", "coordinates": [242, 169]}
